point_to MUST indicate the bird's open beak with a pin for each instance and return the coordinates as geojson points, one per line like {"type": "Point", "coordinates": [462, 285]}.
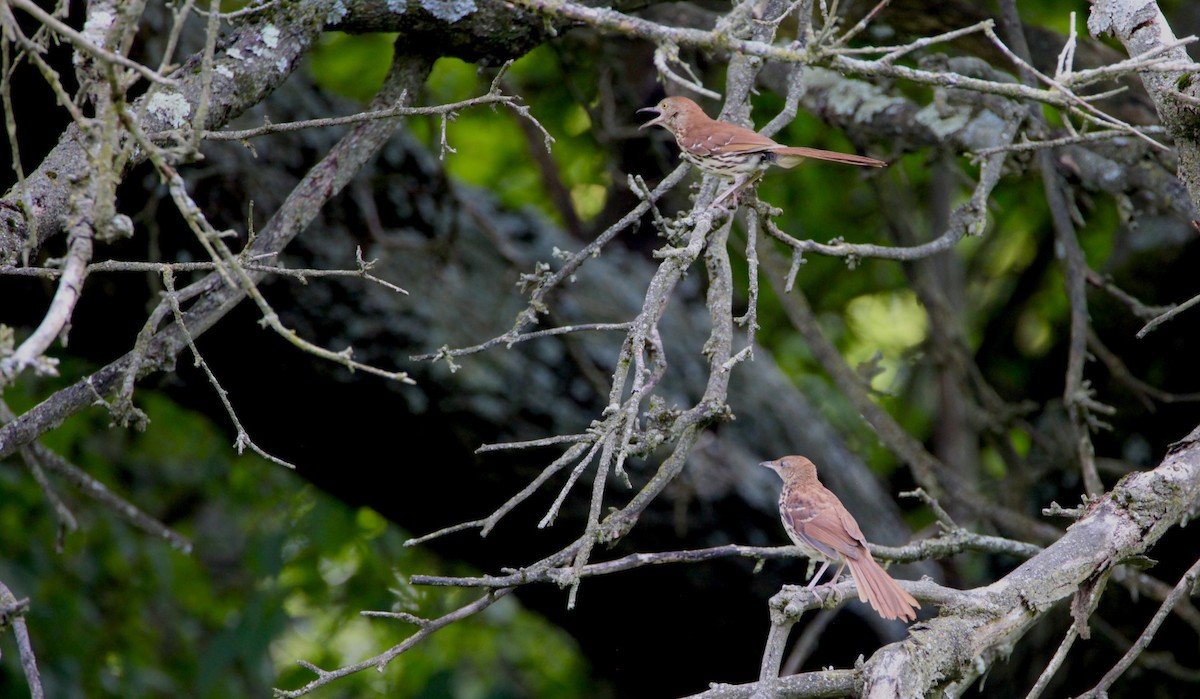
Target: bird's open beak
{"type": "Point", "coordinates": [656, 120]}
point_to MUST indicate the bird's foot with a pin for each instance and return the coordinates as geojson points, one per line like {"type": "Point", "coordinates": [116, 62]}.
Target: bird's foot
{"type": "Point", "coordinates": [726, 202]}
{"type": "Point", "coordinates": [833, 596]}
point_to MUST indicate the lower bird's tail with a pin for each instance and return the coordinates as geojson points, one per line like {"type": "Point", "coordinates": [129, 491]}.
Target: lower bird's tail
{"type": "Point", "coordinates": [878, 589]}
{"type": "Point", "coordinates": [792, 156]}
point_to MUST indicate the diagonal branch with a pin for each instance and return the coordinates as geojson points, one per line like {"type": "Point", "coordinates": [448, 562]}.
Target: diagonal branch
{"type": "Point", "coordinates": [322, 182]}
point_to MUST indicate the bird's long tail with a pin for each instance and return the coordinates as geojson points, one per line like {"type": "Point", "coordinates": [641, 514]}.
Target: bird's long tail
{"type": "Point", "coordinates": [878, 589]}
{"type": "Point", "coordinates": [791, 156]}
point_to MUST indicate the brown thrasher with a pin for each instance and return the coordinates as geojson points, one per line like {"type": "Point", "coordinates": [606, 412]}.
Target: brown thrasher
{"type": "Point", "coordinates": [725, 149]}
{"type": "Point", "coordinates": [824, 530]}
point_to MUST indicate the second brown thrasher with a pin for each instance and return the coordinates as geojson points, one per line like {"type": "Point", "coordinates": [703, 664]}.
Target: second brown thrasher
{"type": "Point", "coordinates": [733, 151]}
{"type": "Point", "coordinates": [820, 525]}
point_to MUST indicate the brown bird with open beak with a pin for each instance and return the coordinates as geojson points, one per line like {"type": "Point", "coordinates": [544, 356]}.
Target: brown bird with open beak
{"type": "Point", "coordinates": [734, 151]}
{"type": "Point", "coordinates": [821, 526]}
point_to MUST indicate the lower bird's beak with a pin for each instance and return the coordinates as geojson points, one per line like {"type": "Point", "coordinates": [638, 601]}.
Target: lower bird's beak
{"type": "Point", "coordinates": [656, 120]}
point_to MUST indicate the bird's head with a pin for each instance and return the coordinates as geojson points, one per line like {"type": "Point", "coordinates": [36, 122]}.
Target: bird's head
{"type": "Point", "coordinates": [671, 112]}
{"type": "Point", "coordinates": [793, 468]}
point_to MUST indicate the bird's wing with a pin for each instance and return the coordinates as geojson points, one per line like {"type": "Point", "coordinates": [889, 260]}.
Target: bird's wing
{"type": "Point", "coordinates": [823, 530]}
{"type": "Point", "coordinates": [830, 527]}
{"type": "Point", "coordinates": [727, 138]}
{"type": "Point", "coordinates": [851, 528]}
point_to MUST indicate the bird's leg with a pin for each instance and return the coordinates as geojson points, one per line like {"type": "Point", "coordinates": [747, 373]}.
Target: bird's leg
{"type": "Point", "coordinates": [812, 583]}
{"type": "Point", "coordinates": [832, 582]}
{"type": "Point", "coordinates": [733, 188]}
{"type": "Point", "coordinates": [815, 578]}
{"type": "Point", "coordinates": [739, 183]}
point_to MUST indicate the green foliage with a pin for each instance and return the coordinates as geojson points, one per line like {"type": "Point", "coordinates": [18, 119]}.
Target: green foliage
{"type": "Point", "coordinates": [497, 151]}
{"type": "Point", "coordinates": [279, 573]}
{"type": "Point", "coordinates": [888, 324]}
{"type": "Point", "coordinates": [351, 65]}
{"type": "Point", "coordinates": [493, 147]}
{"type": "Point", "coordinates": [1057, 15]}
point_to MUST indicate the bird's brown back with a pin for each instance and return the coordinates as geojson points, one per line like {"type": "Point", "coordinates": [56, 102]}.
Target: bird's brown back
{"type": "Point", "coordinates": [709, 137]}
{"type": "Point", "coordinates": [815, 513]}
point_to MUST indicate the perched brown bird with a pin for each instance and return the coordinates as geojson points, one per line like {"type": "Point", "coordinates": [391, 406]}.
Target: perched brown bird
{"type": "Point", "coordinates": [733, 151]}
{"type": "Point", "coordinates": [822, 527]}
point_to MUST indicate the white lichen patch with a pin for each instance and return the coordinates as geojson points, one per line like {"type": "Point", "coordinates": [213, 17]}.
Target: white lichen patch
{"type": "Point", "coordinates": [270, 36]}
{"type": "Point", "coordinates": [171, 107]}
{"type": "Point", "coordinates": [397, 6]}
{"type": "Point", "coordinates": [223, 71]}
{"type": "Point", "coordinates": [449, 10]}
{"type": "Point", "coordinates": [236, 54]}
{"type": "Point", "coordinates": [337, 12]}
{"type": "Point", "coordinates": [95, 29]}
{"type": "Point", "coordinates": [858, 100]}
{"type": "Point", "coordinates": [942, 125]}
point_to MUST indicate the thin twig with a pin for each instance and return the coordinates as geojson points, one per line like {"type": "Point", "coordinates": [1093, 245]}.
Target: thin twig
{"type": "Point", "coordinates": [664, 55]}
{"type": "Point", "coordinates": [1076, 103]}
{"type": "Point", "coordinates": [1056, 661]}
{"type": "Point", "coordinates": [1182, 589]}
{"type": "Point", "coordinates": [1093, 137]}
{"type": "Point", "coordinates": [1135, 305]}
{"type": "Point", "coordinates": [395, 111]}
{"type": "Point", "coordinates": [86, 484]}
{"type": "Point", "coordinates": [243, 439]}
{"type": "Point", "coordinates": [84, 43]}
{"type": "Point", "coordinates": [949, 544]}
{"type": "Point", "coordinates": [381, 661]}
{"type": "Point", "coordinates": [628, 25]}
{"type": "Point", "coordinates": [861, 25]}
{"type": "Point", "coordinates": [1168, 315]}
{"type": "Point", "coordinates": [15, 615]}
{"type": "Point", "coordinates": [510, 341]}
